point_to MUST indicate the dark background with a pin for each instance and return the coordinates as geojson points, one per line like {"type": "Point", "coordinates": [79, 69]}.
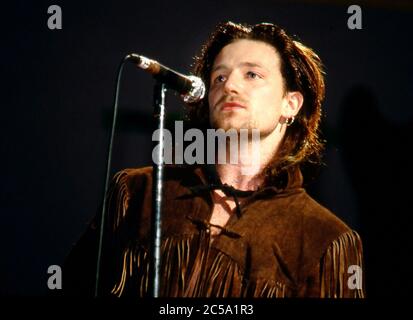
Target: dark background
{"type": "Point", "coordinates": [57, 92]}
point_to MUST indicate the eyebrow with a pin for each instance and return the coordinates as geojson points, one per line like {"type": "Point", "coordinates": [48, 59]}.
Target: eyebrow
{"type": "Point", "coordinates": [242, 64]}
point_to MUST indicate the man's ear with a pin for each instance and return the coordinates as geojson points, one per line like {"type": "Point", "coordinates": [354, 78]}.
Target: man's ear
{"type": "Point", "coordinates": [293, 103]}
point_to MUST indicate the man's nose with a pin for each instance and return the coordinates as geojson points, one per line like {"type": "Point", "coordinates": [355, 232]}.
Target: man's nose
{"type": "Point", "coordinates": [233, 83]}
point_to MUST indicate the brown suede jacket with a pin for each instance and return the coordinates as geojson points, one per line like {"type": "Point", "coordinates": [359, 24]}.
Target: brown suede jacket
{"type": "Point", "coordinates": [281, 244]}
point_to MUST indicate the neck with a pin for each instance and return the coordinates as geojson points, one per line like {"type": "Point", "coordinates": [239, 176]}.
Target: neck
{"type": "Point", "coordinates": [240, 175]}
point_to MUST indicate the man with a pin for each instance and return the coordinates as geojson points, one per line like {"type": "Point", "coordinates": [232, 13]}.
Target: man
{"type": "Point", "coordinates": [225, 233]}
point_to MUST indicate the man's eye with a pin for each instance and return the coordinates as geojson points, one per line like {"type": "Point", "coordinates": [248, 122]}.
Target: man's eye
{"type": "Point", "coordinates": [252, 75]}
{"type": "Point", "coordinates": [219, 78]}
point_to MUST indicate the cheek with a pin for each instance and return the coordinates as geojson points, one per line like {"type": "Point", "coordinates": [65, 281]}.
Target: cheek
{"type": "Point", "coordinates": [267, 99]}
{"type": "Point", "coordinates": [268, 105]}
{"type": "Point", "coordinates": [212, 98]}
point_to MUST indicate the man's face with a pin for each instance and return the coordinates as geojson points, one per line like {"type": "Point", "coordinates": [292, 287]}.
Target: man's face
{"type": "Point", "coordinates": [246, 88]}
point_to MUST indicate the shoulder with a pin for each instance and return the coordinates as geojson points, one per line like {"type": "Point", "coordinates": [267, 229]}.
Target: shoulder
{"type": "Point", "coordinates": [317, 219]}
{"type": "Point", "coordinates": [136, 179]}
{"type": "Point", "coordinates": [330, 248]}
{"type": "Point", "coordinates": [130, 174]}
{"type": "Point", "coordinates": [327, 240]}
{"type": "Point", "coordinates": [296, 222]}
{"type": "Point", "coordinates": [320, 226]}
{"type": "Point", "coordinates": [299, 222]}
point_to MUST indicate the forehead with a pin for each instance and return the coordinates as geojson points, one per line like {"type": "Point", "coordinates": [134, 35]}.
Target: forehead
{"type": "Point", "coordinates": [250, 51]}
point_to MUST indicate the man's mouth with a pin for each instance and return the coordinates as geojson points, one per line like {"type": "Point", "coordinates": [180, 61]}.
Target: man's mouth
{"type": "Point", "coordinates": [231, 106]}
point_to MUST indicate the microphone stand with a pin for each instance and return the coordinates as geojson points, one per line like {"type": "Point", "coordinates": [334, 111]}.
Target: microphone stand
{"type": "Point", "coordinates": [157, 186]}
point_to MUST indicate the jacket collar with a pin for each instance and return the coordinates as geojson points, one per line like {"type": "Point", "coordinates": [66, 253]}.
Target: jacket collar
{"type": "Point", "coordinates": [293, 180]}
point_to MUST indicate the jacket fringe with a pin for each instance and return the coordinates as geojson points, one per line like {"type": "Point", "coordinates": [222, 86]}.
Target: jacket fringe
{"type": "Point", "coordinates": [119, 190]}
{"type": "Point", "coordinates": [211, 275]}
{"type": "Point", "coordinates": [342, 253]}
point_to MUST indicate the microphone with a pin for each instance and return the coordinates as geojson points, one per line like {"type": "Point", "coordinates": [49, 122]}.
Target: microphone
{"type": "Point", "coordinates": [191, 88]}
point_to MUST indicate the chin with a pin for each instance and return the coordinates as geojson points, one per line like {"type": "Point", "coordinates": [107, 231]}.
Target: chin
{"type": "Point", "coordinates": [226, 125]}
{"type": "Point", "coordinates": [230, 123]}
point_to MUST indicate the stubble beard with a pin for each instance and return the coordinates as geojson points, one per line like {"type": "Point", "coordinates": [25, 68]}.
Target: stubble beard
{"type": "Point", "coordinates": [233, 122]}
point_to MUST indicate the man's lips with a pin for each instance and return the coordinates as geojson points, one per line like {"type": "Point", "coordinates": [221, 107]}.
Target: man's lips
{"type": "Point", "coordinates": [232, 106]}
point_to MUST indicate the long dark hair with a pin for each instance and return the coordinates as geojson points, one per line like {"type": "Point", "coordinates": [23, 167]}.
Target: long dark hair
{"type": "Point", "coordinates": [301, 70]}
